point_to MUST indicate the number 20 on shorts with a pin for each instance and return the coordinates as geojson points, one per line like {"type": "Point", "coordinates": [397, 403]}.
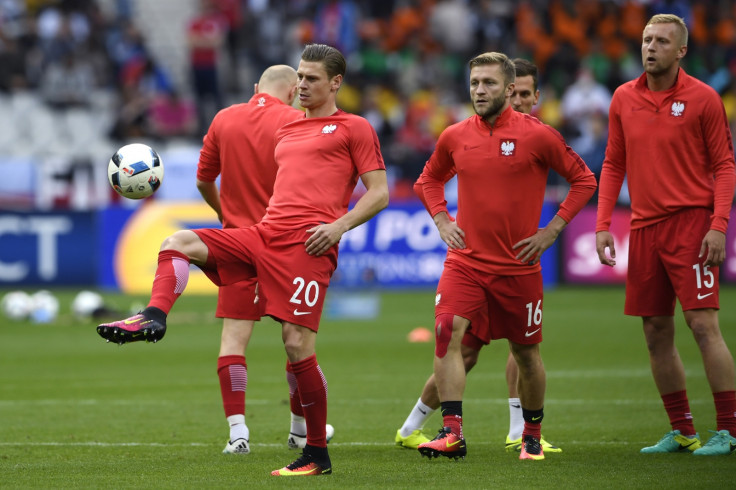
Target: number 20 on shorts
{"type": "Point", "coordinates": [307, 290]}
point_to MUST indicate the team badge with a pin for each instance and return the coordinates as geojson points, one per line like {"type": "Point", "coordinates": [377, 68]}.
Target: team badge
{"type": "Point", "coordinates": [508, 148]}
{"type": "Point", "coordinates": [329, 129]}
{"type": "Point", "coordinates": [261, 101]}
{"type": "Point", "coordinates": [678, 107]}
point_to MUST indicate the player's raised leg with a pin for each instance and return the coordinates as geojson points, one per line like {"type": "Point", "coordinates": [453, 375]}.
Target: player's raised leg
{"type": "Point", "coordinates": [172, 273]}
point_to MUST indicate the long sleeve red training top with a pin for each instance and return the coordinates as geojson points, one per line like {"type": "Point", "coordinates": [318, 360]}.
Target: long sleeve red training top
{"type": "Point", "coordinates": [676, 148]}
{"type": "Point", "coordinates": [502, 176]}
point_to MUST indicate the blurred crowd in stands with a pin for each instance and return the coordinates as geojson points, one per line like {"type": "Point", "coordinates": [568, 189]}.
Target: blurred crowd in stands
{"type": "Point", "coordinates": [407, 61]}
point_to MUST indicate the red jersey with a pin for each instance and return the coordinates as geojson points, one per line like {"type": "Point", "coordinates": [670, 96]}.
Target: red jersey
{"type": "Point", "coordinates": [239, 145]}
{"type": "Point", "coordinates": [502, 176]}
{"type": "Point", "coordinates": [319, 160]}
{"type": "Point", "coordinates": [676, 148]}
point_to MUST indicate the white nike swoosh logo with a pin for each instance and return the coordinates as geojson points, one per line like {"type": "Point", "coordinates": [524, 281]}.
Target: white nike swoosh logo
{"type": "Point", "coordinates": [529, 334]}
{"type": "Point", "coordinates": [703, 296]}
{"type": "Point", "coordinates": [299, 313]}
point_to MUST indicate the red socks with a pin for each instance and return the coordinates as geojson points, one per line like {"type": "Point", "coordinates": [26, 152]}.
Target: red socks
{"type": "Point", "coordinates": [294, 401]}
{"type": "Point", "coordinates": [233, 374]}
{"type": "Point", "coordinates": [455, 423]}
{"type": "Point", "coordinates": [171, 278]}
{"type": "Point", "coordinates": [678, 410]}
{"type": "Point", "coordinates": [312, 388]}
{"type": "Point", "coordinates": [532, 422]}
{"type": "Point", "coordinates": [726, 411]}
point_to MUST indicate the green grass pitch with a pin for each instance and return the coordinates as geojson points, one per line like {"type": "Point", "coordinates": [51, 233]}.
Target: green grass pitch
{"type": "Point", "coordinates": [76, 412]}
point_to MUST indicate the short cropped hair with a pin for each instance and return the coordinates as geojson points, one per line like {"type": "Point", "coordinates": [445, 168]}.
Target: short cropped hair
{"type": "Point", "coordinates": [331, 58]}
{"type": "Point", "coordinates": [672, 19]}
{"type": "Point", "coordinates": [525, 68]}
{"type": "Point", "coordinates": [495, 58]}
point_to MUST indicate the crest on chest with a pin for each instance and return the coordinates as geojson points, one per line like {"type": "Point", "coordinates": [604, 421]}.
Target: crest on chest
{"type": "Point", "coordinates": [507, 148]}
{"type": "Point", "coordinates": [677, 108]}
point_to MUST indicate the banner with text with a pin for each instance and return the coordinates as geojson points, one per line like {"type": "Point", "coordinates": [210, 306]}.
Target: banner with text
{"type": "Point", "coordinates": [580, 264]}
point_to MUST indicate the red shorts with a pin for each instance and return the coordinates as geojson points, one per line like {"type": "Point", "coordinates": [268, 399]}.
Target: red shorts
{"type": "Point", "coordinates": [239, 301]}
{"type": "Point", "coordinates": [498, 307]}
{"type": "Point", "coordinates": [478, 328]}
{"type": "Point", "coordinates": [664, 265]}
{"type": "Point", "coordinates": [291, 283]}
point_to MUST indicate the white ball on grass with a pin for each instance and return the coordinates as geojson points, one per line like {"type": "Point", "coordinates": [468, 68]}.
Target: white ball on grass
{"type": "Point", "coordinates": [16, 305]}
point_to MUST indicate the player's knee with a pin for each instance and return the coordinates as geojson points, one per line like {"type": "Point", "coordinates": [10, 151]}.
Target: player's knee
{"type": "Point", "coordinates": [187, 243]}
{"type": "Point", "coordinates": [443, 333]}
{"type": "Point", "coordinates": [526, 356]}
{"type": "Point", "coordinates": [705, 332]}
{"type": "Point", "coordinates": [177, 241]}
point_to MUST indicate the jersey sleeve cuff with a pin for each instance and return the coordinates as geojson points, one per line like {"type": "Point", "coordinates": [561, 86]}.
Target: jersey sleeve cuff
{"type": "Point", "coordinates": [719, 223]}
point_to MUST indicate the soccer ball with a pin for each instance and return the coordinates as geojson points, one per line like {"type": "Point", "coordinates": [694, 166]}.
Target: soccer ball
{"type": "Point", "coordinates": [17, 305]}
{"type": "Point", "coordinates": [86, 303]}
{"type": "Point", "coordinates": [135, 171]}
{"type": "Point", "coordinates": [45, 307]}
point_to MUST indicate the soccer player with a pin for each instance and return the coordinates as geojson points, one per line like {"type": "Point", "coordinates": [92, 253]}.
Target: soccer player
{"type": "Point", "coordinates": [293, 250]}
{"type": "Point", "coordinates": [492, 278]}
{"type": "Point", "coordinates": [523, 98]}
{"type": "Point", "coordinates": [239, 148]}
{"type": "Point", "coordinates": [668, 128]}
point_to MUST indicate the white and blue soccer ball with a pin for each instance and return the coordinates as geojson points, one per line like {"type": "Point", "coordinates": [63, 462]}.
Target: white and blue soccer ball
{"type": "Point", "coordinates": [16, 305]}
{"type": "Point", "coordinates": [135, 171]}
{"type": "Point", "coordinates": [45, 307]}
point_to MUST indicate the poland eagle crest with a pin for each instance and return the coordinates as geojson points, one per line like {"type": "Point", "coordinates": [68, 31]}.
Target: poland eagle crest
{"type": "Point", "coordinates": [507, 148]}
{"type": "Point", "coordinates": [678, 108]}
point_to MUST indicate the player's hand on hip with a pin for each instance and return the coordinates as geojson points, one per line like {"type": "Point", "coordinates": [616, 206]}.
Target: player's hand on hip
{"type": "Point", "coordinates": [451, 234]}
{"type": "Point", "coordinates": [603, 241]}
{"type": "Point", "coordinates": [323, 237]}
{"type": "Point", "coordinates": [714, 243]}
{"type": "Point", "coordinates": [535, 245]}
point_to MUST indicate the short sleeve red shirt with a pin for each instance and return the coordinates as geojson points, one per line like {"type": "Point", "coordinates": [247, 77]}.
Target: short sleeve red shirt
{"type": "Point", "coordinates": [319, 161]}
{"type": "Point", "coordinates": [239, 146]}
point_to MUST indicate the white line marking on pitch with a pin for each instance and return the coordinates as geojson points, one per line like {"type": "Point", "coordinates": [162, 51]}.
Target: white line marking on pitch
{"type": "Point", "coordinates": [332, 444]}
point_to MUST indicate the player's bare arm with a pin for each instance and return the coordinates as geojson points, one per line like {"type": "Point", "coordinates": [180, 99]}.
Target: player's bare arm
{"type": "Point", "coordinates": [450, 233]}
{"type": "Point", "coordinates": [535, 245]}
{"type": "Point", "coordinates": [371, 203]}
{"type": "Point", "coordinates": [603, 241]}
{"type": "Point", "coordinates": [211, 195]}
{"type": "Point", "coordinates": [714, 243]}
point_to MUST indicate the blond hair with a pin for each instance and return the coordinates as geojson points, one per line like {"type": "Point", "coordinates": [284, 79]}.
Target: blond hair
{"type": "Point", "coordinates": [672, 19]}
{"type": "Point", "coordinates": [494, 58]}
